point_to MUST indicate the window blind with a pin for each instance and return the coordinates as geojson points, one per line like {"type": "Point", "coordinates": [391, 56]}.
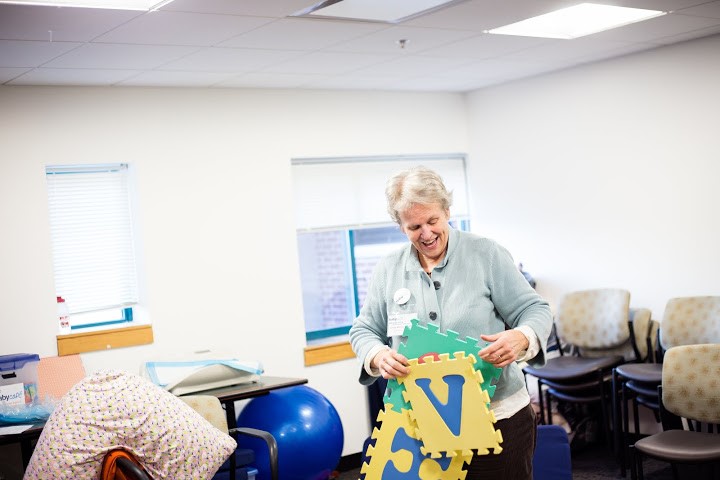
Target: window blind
{"type": "Point", "coordinates": [92, 236]}
{"type": "Point", "coordinates": [350, 191]}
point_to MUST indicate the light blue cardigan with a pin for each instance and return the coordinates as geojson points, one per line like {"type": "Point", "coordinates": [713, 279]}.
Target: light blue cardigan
{"type": "Point", "coordinates": [480, 292]}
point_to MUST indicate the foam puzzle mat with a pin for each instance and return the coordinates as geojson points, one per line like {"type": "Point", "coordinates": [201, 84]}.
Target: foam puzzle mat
{"type": "Point", "coordinates": [437, 417]}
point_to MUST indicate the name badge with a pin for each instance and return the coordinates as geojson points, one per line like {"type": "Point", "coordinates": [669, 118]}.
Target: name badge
{"type": "Point", "coordinates": [397, 323]}
{"type": "Point", "coordinates": [402, 296]}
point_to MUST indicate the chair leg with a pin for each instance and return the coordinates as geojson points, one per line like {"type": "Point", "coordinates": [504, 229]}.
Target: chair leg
{"type": "Point", "coordinates": [636, 464]}
{"type": "Point", "coordinates": [548, 400]}
{"type": "Point", "coordinates": [541, 403]}
{"type": "Point", "coordinates": [604, 413]}
{"type": "Point", "coordinates": [615, 418]}
{"type": "Point", "coordinates": [636, 417]}
{"type": "Point", "coordinates": [625, 426]}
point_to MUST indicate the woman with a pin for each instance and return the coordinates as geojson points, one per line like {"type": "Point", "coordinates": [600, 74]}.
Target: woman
{"type": "Point", "coordinates": [461, 282]}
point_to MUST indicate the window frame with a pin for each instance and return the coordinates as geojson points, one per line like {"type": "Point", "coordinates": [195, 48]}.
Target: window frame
{"type": "Point", "coordinates": [75, 205]}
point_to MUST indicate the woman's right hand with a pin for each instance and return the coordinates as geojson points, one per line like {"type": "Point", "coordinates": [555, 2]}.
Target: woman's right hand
{"type": "Point", "coordinates": [391, 364]}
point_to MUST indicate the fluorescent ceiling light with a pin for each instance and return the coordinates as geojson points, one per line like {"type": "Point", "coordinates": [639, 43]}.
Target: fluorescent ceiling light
{"type": "Point", "coordinates": [390, 11]}
{"type": "Point", "coordinates": [577, 21]}
{"type": "Point", "coordinates": [144, 5]}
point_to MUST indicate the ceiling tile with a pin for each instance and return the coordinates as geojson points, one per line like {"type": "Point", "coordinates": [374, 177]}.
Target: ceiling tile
{"type": "Point", "coordinates": [663, 5]}
{"type": "Point", "coordinates": [267, 80]}
{"type": "Point", "coordinates": [254, 44]}
{"type": "Point", "coordinates": [178, 28]}
{"type": "Point", "coordinates": [502, 68]}
{"type": "Point", "coordinates": [412, 65]}
{"type": "Point", "coordinates": [559, 50]}
{"type": "Point", "coordinates": [64, 76]}
{"type": "Point", "coordinates": [232, 60]}
{"type": "Point", "coordinates": [358, 82]}
{"type": "Point", "coordinates": [434, 84]}
{"type": "Point", "coordinates": [486, 45]}
{"type": "Point", "coordinates": [620, 51]}
{"type": "Point", "coordinates": [302, 34]}
{"type": "Point", "coordinates": [657, 28]}
{"type": "Point", "coordinates": [388, 40]}
{"type": "Point", "coordinates": [711, 9]}
{"type": "Point", "coordinates": [8, 73]}
{"type": "Point", "coordinates": [130, 57]}
{"type": "Point", "coordinates": [327, 63]}
{"type": "Point", "coordinates": [155, 78]}
{"type": "Point", "coordinates": [31, 54]}
{"type": "Point", "coordinates": [26, 22]}
{"type": "Point", "coordinates": [691, 35]}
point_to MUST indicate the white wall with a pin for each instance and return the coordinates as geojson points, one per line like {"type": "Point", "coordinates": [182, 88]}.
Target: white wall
{"type": "Point", "coordinates": [217, 224]}
{"type": "Point", "coordinates": [606, 175]}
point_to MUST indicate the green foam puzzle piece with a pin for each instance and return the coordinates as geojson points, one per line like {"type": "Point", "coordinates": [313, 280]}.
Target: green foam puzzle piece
{"type": "Point", "coordinates": [394, 396]}
{"type": "Point", "coordinates": [424, 339]}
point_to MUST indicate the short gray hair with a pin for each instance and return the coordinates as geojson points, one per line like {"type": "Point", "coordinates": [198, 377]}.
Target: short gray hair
{"type": "Point", "coordinates": [416, 185]}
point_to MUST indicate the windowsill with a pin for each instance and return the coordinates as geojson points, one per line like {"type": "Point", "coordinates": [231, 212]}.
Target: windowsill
{"type": "Point", "coordinates": [105, 338]}
{"type": "Point", "coordinates": [329, 352]}
{"type": "Point", "coordinates": [105, 328]}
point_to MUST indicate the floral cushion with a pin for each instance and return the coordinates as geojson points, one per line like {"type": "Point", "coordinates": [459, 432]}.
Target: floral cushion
{"type": "Point", "coordinates": [112, 409]}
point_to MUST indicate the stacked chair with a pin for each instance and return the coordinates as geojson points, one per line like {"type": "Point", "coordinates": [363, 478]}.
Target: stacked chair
{"type": "Point", "coordinates": [597, 331]}
{"type": "Point", "coordinates": [689, 403]}
{"type": "Point", "coordinates": [685, 321]}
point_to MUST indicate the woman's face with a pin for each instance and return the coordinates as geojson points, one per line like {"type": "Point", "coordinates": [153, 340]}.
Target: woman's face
{"type": "Point", "coordinates": [427, 228]}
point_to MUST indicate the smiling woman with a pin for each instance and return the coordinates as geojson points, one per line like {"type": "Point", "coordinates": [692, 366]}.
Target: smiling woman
{"type": "Point", "coordinates": [458, 282]}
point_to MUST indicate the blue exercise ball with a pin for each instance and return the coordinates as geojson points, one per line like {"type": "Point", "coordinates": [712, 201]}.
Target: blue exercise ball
{"type": "Point", "coordinates": [307, 429]}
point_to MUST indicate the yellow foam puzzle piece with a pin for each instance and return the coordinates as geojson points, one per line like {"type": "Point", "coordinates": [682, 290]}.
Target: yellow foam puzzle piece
{"type": "Point", "coordinates": [476, 429]}
{"type": "Point", "coordinates": [403, 460]}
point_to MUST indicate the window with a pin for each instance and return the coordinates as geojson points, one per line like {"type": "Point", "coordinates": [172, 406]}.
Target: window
{"type": "Point", "coordinates": [92, 242]}
{"type": "Point", "coordinates": [343, 229]}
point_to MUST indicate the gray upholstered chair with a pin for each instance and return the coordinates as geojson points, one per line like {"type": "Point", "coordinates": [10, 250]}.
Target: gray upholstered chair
{"type": "Point", "coordinates": [594, 326]}
{"type": "Point", "coordinates": [685, 321]}
{"type": "Point", "coordinates": [690, 391]}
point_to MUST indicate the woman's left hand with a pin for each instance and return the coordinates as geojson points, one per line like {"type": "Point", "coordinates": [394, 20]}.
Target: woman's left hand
{"type": "Point", "coordinates": [505, 347]}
